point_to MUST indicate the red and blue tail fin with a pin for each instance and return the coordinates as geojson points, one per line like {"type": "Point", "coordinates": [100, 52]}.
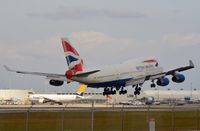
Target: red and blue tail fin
{"type": "Point", "coordinates": [74, 61]}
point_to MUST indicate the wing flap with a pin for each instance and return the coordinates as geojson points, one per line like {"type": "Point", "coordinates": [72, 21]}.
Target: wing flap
{"type": "Point", "coordinates": [156, 76]}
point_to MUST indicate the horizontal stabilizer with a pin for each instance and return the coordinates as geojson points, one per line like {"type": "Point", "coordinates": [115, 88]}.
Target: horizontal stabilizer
{"type": "Point", "coordinates": [83, 74]}
{"type": "Point", "coordinates": [8, 69]}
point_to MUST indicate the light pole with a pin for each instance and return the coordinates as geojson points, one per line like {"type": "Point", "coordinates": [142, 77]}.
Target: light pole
{"type": "Point", "coordinates": [191, 88]}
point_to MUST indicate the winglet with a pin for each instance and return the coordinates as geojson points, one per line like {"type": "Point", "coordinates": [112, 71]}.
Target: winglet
{"type": "Point", "coordinates": [8, 69]}
{"type": "Point", "coordinates": [191, 63]}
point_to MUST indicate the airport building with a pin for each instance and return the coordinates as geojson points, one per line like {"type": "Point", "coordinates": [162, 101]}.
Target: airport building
{"type": "Point", "coordinates": [20, 96]}
{"type": "Point", "coordinates": [171, 94]}
{"type": "Point", "coordinates": [157, 95]}
{"type": "Point", "coordinates": [14, 96]}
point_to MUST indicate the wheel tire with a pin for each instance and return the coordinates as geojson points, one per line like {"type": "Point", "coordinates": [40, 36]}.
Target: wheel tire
{"type": "Point", "coordinates": [125, 91]}
{"type": "Point", "coordinates": [153, 85]}
{"type": "Point", "coordinates": [135, 93]}
{"type": "Point", "coordinates": [104, 93]}
{"type": "Point", "coordinates": [138, 93]}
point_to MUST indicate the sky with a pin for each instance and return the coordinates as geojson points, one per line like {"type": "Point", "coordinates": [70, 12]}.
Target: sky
{"type": "Point", "coordinates": [104, 32]}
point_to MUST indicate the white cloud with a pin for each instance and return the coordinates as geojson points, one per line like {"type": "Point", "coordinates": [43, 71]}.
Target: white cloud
{"type": "Point", "coordinates": [182, 40]}
{"type": "Point", "coordinates": [85, 12]}
{"type": "Point", "coordinates": [100, 47]}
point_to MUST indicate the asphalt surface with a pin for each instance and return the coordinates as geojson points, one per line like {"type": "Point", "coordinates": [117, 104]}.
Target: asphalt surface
{"type": "Point", "coordinates": [96, 108]}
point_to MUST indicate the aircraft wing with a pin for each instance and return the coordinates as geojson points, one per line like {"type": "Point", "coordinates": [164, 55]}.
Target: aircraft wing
{"type": "Point", "coordinates": [47, 75]}
{"type": "Point", "coordinates": [142, 79]}
{"type": "Point", "coordinates": [50, 100]}
{"type": "Point", "coordinates": [171, 72]}
{"type": "Point", "coordinates": [190, 66]}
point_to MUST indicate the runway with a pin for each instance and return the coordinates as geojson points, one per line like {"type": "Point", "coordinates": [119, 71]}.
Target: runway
{"type": "Point", "coordinates": [95, 108]}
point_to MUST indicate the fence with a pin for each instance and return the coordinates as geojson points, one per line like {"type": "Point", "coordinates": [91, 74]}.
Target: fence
{"type": "Point", "coordinates": [129, 118]}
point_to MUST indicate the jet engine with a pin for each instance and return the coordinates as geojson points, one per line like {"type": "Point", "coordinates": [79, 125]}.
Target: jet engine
{"type": "Point", "coordinates": [178, 78]}
{"type": "Point", "coordinates": [69, 74]}
{"type": "Point", "coordinates": [56, 82]}
{"type": "Point", "coordinates": [163, 81]}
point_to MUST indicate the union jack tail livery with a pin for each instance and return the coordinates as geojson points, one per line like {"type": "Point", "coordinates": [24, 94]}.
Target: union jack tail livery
{"type": "Point", "coordinates": [74, 61]}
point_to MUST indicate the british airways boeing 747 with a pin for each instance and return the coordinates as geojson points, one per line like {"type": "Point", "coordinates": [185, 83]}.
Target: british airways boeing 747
{"type": "Point", "coordinates": [114, 77]}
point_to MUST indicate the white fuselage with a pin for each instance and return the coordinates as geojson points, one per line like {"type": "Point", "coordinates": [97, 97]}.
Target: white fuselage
{"type": "Point", "coordinates": [62, 98]}
{"type": "Point", "coordinates": [120, 74]}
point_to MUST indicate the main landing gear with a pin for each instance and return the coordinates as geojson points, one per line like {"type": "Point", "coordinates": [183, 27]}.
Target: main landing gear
{"type": "Point", "coordinates": [122, 91]}
{"type": "Point", "coordinates": [109, 91]}
{"type": "Point", "coordinates": [153, 85]}
{"type": "Point", "coordinates": [137, 90]}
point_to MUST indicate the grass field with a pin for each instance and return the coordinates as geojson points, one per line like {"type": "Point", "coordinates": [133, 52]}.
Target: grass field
{"type": "Point", "coordinates": [103, 121]}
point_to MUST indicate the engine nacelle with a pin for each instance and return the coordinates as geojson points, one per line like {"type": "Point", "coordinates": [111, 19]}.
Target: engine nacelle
{"type": "Point", "coordinates": [69, 74]}
{"type": "Point", "coordinates": [163, 81]}
{"type": "Point", "coordinates": [56, 82]}
{"type": "Point", "coordinates": [178, 78]}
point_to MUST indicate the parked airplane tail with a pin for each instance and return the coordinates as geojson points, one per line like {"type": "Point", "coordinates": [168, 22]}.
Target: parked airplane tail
{"type": "Point", "coordinates": [81, 90]}
{"type": "Point", "coordinates": [74, 61]}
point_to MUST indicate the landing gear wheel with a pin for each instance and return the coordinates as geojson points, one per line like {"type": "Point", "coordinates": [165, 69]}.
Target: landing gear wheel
{"type": "Point", "coordinates": [122, 91]}
{"type": "Point", "coordinates": [114, 92]}
{"type": "Point", "coordinates": [137, 90]}
{"type": "Point", "coordinates": [125, 91]}
{"type": "Point", "coordinates": [153, 85]}
{"type": "Point", "coordinates": [106, 91]}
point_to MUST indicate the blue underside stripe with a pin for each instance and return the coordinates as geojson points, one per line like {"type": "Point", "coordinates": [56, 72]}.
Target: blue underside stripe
{"type": "Point", "coordinates": [115, 83]}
